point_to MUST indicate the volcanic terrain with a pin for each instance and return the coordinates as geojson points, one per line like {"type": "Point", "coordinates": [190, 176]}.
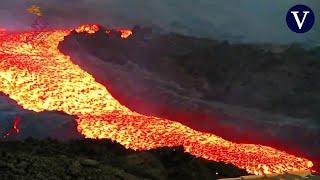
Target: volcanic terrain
{"type": "Point", "coordinates": [233, 91]}
{"type": "Point", "coordinates": [39, 77]}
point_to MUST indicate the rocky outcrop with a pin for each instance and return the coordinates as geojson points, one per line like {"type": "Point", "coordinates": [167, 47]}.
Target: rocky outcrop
{"type": "Point", "coordinates": [103, 159]}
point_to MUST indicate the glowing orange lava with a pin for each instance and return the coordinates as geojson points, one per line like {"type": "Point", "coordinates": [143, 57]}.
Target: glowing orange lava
{"type": "Point", "coordinates": [45, 79]}
{"type": "Point", "coordinates": [91, 29]}
{"type": "Point", "coordinates": [15, 128]}
{"type": "Point", "coordinates": [125, 33]}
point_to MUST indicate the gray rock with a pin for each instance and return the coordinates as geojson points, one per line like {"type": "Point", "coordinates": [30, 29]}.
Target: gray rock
{"type": "Point", "coordinates": [40, 176]}
{"type": "Point", "coordinates": [75, 169]}
{"type": "Point", "coordinates": [89, 163]}
{"type": "Point", "coordinates": [11, 166]}
{"type": "Point", "coordinates": [19, 171]}
{"type": "Point", "coordinates": [146, 165]}
{"type": "Point", "coordinates": [22, 165]}
{"type": "Point", "coordinates": [3, 164]}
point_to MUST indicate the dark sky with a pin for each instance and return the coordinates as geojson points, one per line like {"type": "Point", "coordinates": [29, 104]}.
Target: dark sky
{"type": "Point", "coordinates": [244, 20]}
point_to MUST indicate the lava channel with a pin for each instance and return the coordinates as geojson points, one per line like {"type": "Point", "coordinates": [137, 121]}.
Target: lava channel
{"type": "Point", "coordinates": [15, 128]}
{"type": "Point", "coordinates": [40, 78]}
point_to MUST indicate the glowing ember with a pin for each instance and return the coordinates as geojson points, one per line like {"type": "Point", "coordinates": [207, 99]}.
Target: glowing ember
{"type": "Point", "coordinates": [90, 29]}
{"type": "Point", "coordinates": [15, 128]}
{"type": "Point", "coordinates": [48, 80]}
{"type": "Point", "coordinates": [124, 33]}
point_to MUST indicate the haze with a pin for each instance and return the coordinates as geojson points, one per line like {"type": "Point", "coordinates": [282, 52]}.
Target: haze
{"type": "Point", "coordinates": [260, 21]}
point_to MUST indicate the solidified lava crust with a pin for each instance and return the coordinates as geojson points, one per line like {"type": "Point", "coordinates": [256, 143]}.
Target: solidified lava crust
{"type": "Point", "coordinates": [45, 79]}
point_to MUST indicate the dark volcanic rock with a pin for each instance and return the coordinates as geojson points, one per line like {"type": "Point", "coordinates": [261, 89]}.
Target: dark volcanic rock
{"type": "Point", "coordinates": [184, 166]}
{"type": "Point", "coordinates": [231, 90]}
{"type": "Point", "coordinates": [35, 124]}
{"type": "Point", "coordinates": [85, 159]}
{"type": "Point", "coordinates": [145, 164]}
{"type": "Point", "coordinates": [282, 82]}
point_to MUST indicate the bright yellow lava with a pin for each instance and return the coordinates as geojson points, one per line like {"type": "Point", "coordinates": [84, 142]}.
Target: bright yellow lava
{"type": "Point", "coordinates": [45, 79]}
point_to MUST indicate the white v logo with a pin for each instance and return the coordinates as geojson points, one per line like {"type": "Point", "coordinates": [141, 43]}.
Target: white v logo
{"type": "Point", "coordinates": [299, 23]}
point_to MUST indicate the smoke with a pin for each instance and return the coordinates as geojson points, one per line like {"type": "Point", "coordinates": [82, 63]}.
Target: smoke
{"type": "Point", "coordinates": [245, 21]}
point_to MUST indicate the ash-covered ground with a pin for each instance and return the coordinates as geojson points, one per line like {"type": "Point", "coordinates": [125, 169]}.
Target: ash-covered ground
{"type": "Point", "coordinates": [246, 93]}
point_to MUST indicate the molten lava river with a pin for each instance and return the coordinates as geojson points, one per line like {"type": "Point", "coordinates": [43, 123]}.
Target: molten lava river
{"type": "Point", "coordinates": [39, 77]}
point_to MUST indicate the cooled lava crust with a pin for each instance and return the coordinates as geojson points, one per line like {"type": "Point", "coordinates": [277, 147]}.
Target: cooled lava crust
{"type": "Point", "coordinates": [39, 77]}
{"type": "Point", "coordinates": [144, 73]}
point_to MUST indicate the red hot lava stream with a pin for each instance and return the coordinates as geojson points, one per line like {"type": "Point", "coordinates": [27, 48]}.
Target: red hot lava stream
{"type": "Point", "coordinates": [45, 79]}
{"type": "Point", "coordinates": [15, 128]}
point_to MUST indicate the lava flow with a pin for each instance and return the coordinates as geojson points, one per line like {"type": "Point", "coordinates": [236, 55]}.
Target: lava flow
{"type": "Point", "coordinates": [45, 79]}
{"type": "Point", "coordinates": [15, 128]}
